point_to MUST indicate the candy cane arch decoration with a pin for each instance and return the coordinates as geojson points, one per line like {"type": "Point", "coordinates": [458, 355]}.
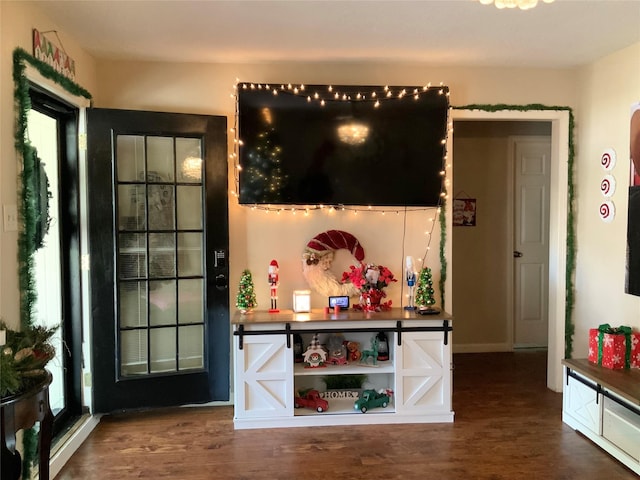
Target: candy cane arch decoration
{"type": "Point", "coordinates": [318, 256]}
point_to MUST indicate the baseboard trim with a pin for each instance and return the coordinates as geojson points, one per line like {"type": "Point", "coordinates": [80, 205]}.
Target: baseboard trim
{"type": "Point", "coordinates": [69, 445]}
{"type": "Point", "coordinates": [482, 347]}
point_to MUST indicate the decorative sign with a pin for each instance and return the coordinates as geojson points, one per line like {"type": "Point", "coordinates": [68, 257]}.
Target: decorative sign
{"type": "Point", "coordinates": [608, 159]}
{"type": "Point", "coordinates": [608, 186]}
{"type": "Point", "coordinates": [464, 212]}
{"type": "Point", "coordinates": [607, 211]}
{"type": "Point", "coordinates": [50, 54]}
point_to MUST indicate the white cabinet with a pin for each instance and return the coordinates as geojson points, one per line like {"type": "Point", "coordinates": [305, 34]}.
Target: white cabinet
{"type": "Point", "coordinates": [417, 375]}
{"type": "Point", "coordinates": [604, 405]}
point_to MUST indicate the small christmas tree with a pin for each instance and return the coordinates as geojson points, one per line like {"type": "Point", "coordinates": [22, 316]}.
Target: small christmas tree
{"type": "Point", "coordinates": [424, 290]}
{"type": "Point", "coordinates": [246, 298]}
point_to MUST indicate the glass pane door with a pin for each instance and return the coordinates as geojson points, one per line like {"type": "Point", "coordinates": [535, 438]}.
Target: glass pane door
{"type": "Point", "coordinates": [160, 261]}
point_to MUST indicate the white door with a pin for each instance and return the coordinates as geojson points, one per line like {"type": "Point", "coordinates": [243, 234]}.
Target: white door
{"type": "Point", "coordinates": [531, 242]}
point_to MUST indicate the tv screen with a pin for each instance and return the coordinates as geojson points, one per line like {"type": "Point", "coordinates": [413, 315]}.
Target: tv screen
{"type": "Point", "coordinates": [381, 150]}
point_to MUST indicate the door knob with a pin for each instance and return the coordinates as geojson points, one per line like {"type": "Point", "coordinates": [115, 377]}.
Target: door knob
{"type": "Point", "coordinates": [517, 254]}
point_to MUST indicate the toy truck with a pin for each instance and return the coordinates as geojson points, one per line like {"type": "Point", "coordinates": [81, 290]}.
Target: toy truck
{"type": "Point", "coordinates": [312, 400]}
{"type": "Point", "coordinates": [372, 399]}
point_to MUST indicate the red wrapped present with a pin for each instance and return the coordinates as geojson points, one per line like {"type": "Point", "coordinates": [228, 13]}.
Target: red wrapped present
{"type": "Point", "coordinates": [635, 350]}
{"type": "Point", "coordinates": [595, 353]}
{"type": "Point", "coordinates": [612, 347]}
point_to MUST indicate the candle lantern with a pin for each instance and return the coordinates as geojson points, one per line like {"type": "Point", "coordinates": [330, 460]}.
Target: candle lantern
{"type": "Point", "coordinates": [302, 300]}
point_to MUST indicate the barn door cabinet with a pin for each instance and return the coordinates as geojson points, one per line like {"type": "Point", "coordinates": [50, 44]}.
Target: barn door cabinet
{"type": "Point", "coordinates": [417, 374]}
{"type": "Point", "coordinates": [604, 405]}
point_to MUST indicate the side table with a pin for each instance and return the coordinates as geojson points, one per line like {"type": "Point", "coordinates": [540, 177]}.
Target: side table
{"type": "Point", "coordinates": [22, 411]}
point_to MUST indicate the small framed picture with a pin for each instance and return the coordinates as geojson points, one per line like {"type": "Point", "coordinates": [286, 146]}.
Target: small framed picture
{"type": "Point", "coordinates": [342, 302]}
{"type": "Point", "coordinates": [464, 212]}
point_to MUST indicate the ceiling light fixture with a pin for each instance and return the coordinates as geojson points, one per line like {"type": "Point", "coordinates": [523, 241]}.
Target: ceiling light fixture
{"type": "Point", "coordinates": [353, 133]}
{"type": "Point", "coordinates": [521, 4]}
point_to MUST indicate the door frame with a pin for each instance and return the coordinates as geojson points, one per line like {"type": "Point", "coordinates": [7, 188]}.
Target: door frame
{"type": "Point", "coordinates": [66, 118]}
{"type": "Point", "coordinates": [86, 424]}
{"type": "Point", "coordinates": [558, 205]}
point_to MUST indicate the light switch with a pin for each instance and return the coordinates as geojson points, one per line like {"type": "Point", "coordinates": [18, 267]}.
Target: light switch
{"type": "Point", "coordinates": [10, 218]}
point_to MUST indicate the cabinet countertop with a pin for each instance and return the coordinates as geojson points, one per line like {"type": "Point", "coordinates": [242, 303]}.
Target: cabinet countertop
{"type": "Point", "coordinates": [319, 315]}
{"type": "Point", "coordinates": [625, 383]}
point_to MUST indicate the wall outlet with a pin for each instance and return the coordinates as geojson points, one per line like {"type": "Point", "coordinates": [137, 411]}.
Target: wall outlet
{"type": "Point", "coordinates": [10, 213]}
{"type": "Point", "coordinates": [87, 379]}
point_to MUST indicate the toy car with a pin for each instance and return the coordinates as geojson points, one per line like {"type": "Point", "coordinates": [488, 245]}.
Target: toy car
{"type": "Point", "coordinates": [337, 360]}
{"type": "Point", "coordinates": [372, 399]}
{"type": "Point", "coordinates": [312, 400]}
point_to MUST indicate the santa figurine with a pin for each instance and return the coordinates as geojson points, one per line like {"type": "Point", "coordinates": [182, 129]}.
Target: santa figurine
{"type": "Point", "coordinates": [274, 281]}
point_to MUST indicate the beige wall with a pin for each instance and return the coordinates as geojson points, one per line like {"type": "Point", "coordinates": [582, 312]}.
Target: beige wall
{"type": "Point", "coordinates": [601, 104]}
{"type": "Point", "coordinates": [257, 237]}
{"type": "Point", "coordinates": [607, 89]}
{"type": "Point", "coordinates": [16, 23]}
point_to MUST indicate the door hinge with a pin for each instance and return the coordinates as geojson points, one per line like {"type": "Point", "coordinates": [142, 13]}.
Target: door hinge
{"type": "Point", "coordinates": [82, 142]}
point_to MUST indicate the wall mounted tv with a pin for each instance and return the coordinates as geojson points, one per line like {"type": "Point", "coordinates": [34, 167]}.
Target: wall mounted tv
{"type": "Point", "coordinates": [297, 149]}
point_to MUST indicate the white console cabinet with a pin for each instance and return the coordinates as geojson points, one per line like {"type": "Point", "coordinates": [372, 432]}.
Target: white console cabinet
{"type": "Point", "coordinates": [418, 371]}
{"type": "Point", "coordinates": [604, 405]}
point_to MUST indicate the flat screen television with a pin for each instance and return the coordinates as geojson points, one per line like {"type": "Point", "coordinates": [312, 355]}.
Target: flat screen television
{"type": "Point", "coordinates": [297, 150]}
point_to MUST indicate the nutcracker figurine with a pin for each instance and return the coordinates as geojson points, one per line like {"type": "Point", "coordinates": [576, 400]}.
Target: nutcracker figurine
{"type": "Point", "coordinates": [274, 281]}
{"type": "Point", "coordinates": [411, 282]}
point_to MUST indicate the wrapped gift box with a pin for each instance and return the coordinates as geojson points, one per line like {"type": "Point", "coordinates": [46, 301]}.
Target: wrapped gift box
{"type": "Point", "coordinates": [635, 350]}
{"type": "Point", "coordinates": [614, 348]}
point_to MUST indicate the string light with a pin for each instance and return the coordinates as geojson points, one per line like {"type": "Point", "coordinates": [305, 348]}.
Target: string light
{"type": "Point", "coordinates": [308, 209]}
{"type": "Point", "coordinates": [374, 95]}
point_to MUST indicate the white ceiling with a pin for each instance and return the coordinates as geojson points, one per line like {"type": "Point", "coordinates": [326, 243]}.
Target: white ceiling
{"type": "Point", "coordinates": [566, 33]}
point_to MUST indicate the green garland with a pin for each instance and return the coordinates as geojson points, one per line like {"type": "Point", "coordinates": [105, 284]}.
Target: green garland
{"type": "Point", "coordinates": [443, 257]}
{"type": "Point", "coordinates": [28, 203]}
{"type": "Point", "coordinates": [569, 327]}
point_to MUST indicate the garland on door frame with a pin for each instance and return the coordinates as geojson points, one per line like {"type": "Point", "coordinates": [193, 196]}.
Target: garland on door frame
{"type": "Point", "coordinates": [29, 204]}
{"type": "Point", "coordinates": [569, 327]}
{"type": "Point", "coordinates": [443, 238]}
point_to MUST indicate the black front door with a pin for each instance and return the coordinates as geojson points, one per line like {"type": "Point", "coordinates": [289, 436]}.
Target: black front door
{"type": "Point", "coordinates": [158, 240]}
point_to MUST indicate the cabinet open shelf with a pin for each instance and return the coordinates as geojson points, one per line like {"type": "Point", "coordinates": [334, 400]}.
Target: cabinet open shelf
{"type": "Point", "coordinates": [344, 407]}
{"type": "Point", "coordinates": [351, 369]}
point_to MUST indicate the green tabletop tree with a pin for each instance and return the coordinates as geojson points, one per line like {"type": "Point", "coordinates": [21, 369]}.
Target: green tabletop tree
{"type": "Point", "coordinates": [246, 298]}
{"type": "Point", "coordinates": [424, 290]}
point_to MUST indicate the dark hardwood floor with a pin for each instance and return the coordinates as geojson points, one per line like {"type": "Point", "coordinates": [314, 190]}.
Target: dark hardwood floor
{"type": "Point", "coordinates": [507, 426]}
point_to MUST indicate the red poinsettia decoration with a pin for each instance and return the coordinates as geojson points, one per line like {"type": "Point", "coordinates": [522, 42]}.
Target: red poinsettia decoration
{"type": "Point", "coordinates": [370, 279]}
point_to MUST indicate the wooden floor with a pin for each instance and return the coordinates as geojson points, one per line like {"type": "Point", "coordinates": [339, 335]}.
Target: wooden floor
{"type": "Point", "coordinates": [507, 426]}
